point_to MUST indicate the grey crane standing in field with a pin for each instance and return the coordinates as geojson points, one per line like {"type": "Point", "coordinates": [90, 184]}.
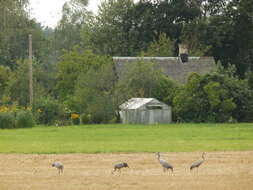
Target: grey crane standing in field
{"type": "Point", "coordinates": [166, 166]}
{"type": "Point", "coordinates": [198, 163]}
{"type": "Point", "coordinates": [59, 166]}
{"type": "Point", "coordinates": [119, 166]}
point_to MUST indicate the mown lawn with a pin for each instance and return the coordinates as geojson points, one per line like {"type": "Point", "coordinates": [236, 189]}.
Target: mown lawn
{"type": "Point", "coordinates": [128, 138]}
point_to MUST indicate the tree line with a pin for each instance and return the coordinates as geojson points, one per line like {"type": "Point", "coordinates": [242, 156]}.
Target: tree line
{"type": "Point", "coordinates": [74, 72]}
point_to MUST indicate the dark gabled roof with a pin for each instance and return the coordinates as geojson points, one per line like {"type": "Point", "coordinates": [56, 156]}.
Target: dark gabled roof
{"type": "Point", "coordinates": [171, 66]}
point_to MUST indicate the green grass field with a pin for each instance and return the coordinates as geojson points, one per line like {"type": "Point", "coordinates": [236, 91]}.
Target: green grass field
{"type": "Point", "coordinates": [128, 138]}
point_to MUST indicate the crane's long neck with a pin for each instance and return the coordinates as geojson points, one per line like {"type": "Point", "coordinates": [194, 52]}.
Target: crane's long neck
{"type": "Point", "coordinates": [158, 157]}
{"type": "Point", "coordinates": [203, 157]}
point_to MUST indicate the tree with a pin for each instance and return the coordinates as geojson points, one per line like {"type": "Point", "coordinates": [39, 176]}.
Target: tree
{"type": "Point", "coordinates": [142, 79]}
{"type": "Point", "coordinates": [73, 64]}
{"type": "Point", "coordinates": [94, 94]}
{"type": "Point", "coordinates": [193, 36]}
{"type": "Point", "coordinates": [17, 88]}
{"type": "Point", "coordinates": [75, 18]}
{"type": "Point", "coordinates": [112, 29]}
{"type": "Point", "coordinates": [163, 47]}
{"type": "Point", "coordinates": [4, 77]}
{"type": "Point", "coordinates": [214, 97]}
{"type": "Point", "coordinates": [15, 26]}
{"type": "Point", "coordinates": [230, 36]}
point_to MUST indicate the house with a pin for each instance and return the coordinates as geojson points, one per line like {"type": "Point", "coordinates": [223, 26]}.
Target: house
{"type": "Point", "coordinates": [145, 111]}
{"type": "Point", "coordinates": [177, 68]}
{"type": "Point", "coordinates": [173, 67]}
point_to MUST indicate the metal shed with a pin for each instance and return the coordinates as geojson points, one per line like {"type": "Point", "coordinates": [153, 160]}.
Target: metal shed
{"type": "Point", "coordinates": [145, 111]}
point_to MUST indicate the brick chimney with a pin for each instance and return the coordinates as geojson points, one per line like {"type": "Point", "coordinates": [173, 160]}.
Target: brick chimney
{"type": "Point", "coordinates": [183, 52]}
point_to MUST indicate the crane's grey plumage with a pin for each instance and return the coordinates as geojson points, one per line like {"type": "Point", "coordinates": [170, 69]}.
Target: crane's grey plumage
{"type": "Point", "coordinates": [59, 166]}
{"type": "Point", "coordinates": [198, 163]}
{"type": "Point", "coordinates": [119, 166]}
{"type": "Point", "coordinates": [164, 164]}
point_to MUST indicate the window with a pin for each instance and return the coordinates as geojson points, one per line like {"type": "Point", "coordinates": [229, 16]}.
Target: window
{"type": "Point", "coordinates": [154, 107]}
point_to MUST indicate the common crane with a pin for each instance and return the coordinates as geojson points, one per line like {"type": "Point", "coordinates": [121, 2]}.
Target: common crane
{"type": "Point", "coordinates": [59, 166]}
{"type": "Point", "coordinates": [119, 166]}
{"type": "Point", "coordinates": [166, 166]}
{"type": "Point", "coordinates": [198, 163]}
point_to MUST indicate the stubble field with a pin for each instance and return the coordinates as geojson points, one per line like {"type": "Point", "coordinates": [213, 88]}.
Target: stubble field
{"type": "Point", "coordinates": [220, 171]}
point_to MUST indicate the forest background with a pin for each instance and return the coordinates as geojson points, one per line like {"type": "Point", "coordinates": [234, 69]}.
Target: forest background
{"type": "Point", "coordinates": [73, 70]}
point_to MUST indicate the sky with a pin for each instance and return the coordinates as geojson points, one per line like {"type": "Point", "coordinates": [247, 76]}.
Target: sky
{"type": "Point", "coordinates": [48, 12]}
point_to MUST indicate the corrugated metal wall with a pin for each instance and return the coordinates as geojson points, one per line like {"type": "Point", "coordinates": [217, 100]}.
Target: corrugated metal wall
{"type": "Point", "coordinates": [162, 116]}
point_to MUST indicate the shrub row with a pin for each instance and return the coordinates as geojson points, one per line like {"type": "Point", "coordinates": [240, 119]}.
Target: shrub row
{"type": "Point", "coordinates": [13, 120]}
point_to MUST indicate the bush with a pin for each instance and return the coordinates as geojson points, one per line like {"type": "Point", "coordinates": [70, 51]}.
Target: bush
{"type": "Point", "coordinates": [94, 95]}
{"type": "Point", "coordinates": [86, 118]}
{"type": "Point", "coordinates": [214, 97]}
{"type": "Point", "coordinates": [24, 119]}
{"type": "Point", "coordinates": [7, 120]}
{"type": "Point", "coordinates": [48, 111]}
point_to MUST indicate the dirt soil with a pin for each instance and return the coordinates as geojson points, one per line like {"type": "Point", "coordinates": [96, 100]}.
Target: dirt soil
{"type": "Point", "coordinates": [220, 171]}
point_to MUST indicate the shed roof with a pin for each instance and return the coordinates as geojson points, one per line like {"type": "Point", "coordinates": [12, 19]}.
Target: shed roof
{"type": "Point", "coordinates": [135, 103]}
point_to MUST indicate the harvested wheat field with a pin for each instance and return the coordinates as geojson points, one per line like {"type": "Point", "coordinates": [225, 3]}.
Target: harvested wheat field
{"type": "Point", "coordinates": [221, 170]}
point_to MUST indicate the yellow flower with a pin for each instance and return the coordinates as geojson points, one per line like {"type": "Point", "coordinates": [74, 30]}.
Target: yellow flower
{"type": "Point", "coordinates": [4, 109]}
{"type": "Point", "coordinates": [74, 116]}
{"type": "Point", "coordinates": [29, 108]}
{"type": "Point", "coordinates": [39, 110]}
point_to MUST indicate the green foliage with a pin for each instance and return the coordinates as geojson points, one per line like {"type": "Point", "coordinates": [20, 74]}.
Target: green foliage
{"type": "Point", "coordinates": [143, 79]}
{"type": "Point", "coordinates": [214, 93]}
{"type": "Point", "coordinates": [76, 121]}
{"type": "Point", "coordinates": [74, 64]}
{"type": "Point", "coordinates": [94, 95]}
{"type": "Point", "coordinates": [192, 36]}
{"type": "Point", "coordinates": [15, 26]}
{"type": "Point", "coordinates": [18, 85]}
{"type": "Point", "coordinates": [75, 19]}
{"type": "Point", "coordinates": [128, 138]}
{"type": "Point", "coordinates": [224, 34]}
{"type": "Point", "coordinates": [215, 97]}
{"type": "Point", "coordinates": [163, 47]}
{"type": "Point", "coordinates": [112, 32]}
{"type": "Point", "coordinates": [24, 119]}
{"type": "Point", "coordinates": [86, 119]}
{"type": "Point", "coordinates": [243, 97]}
{"type": "Point", "coordinates": [165, 90]}
{"type": "Point", "coordinates": [17, 88]}
{"type": "Point", "coordinates": [85, 82]}
{"type": "Point", "coordinates": [190, 101]}
{"type": "Point", "coordinates": [48, 111]}
{"type": "Point", "coordinates": [250, 80]}
{"type": "Point", "coordinates": [7, 120]}
{"type": "Point", "coordinates": [4, 77]}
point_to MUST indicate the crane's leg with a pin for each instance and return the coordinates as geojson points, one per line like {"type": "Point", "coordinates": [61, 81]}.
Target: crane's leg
{"type": "Point", "coordinates": [113, 170]}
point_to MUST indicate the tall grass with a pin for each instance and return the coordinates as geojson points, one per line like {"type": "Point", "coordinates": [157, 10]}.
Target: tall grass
{"type": "Point", "coordinates": [128, 138]}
